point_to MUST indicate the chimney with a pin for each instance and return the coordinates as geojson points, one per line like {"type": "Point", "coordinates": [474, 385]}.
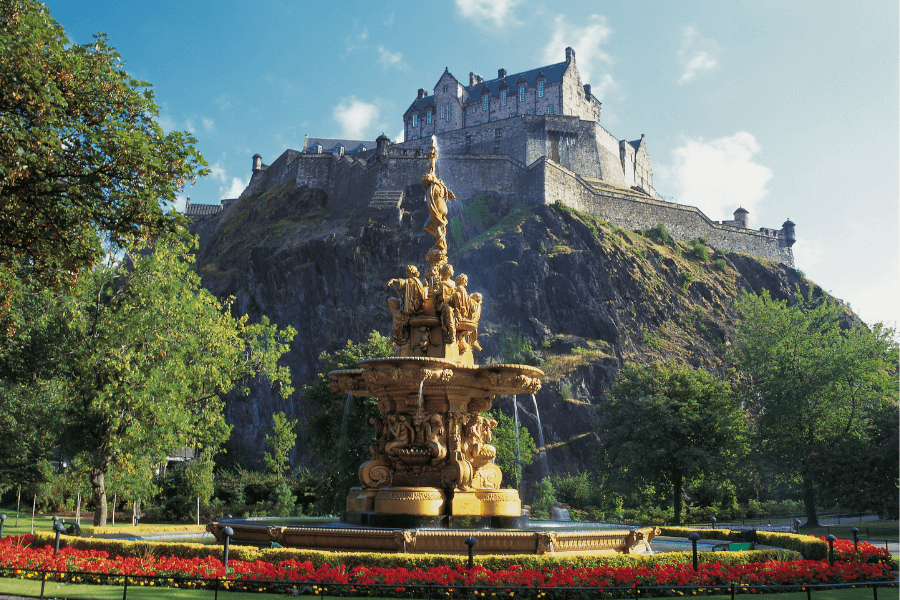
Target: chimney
{"type": "Point", "coordinates": [587, 91]}
{"type": "Point", "coordinates": [501, 73]}
{"type": "Point", "coordinates": [570, 55]}
{"type": "Point", "coordinates": [422, 93]}
{"type": "Point", "coordinates": [474, 78]}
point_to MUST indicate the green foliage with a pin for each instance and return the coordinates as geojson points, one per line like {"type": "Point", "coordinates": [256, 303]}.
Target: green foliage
{"type": "Point", "coordinates": [455, 227]}
{"type": "Point", "coordinates": [143, 359]}
{"type": "Point", "coordinates": [341, 445]}
{"type": "Point", "coordinates": [589, 495]}
{"type": "Point", "coordinates": [544, 498]}
{"type": "Point", "coordinates": [720, 264]}
{"type": "Point", "coordinates": [659, 234]}
{"type": "Point", "coordinates": [815, 383]}
{"type": "Point", "coordinates": [688, 277]}
{"type": "Point", "coordinates": [83, 161]}
{"type": "Point", "coordinates": [285, 503]}
{"type": "Point", "coordinates": [477, 211]}
{"type": "Point", "coordinates": [279, 444]}
{"type": "Point", "coordinates": [698, 245]}
{"type": "Point", "coordinates": [669, 424]}
{"type": "Point", "coordinates": [515, 347]}
{"type": "Point", "coordinates": [505, 442]}
{"type": "Point", "coordinates": [654, 341]}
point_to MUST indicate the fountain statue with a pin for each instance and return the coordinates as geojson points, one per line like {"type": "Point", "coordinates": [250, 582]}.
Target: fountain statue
{"type": "Point", "coordinates": [433, 461]}
{"type": "Point", "coordinates": [431, 472]}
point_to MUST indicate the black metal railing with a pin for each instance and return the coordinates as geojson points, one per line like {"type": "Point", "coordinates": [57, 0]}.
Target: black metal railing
{"type": "Point", "coordinates": [384, 590]}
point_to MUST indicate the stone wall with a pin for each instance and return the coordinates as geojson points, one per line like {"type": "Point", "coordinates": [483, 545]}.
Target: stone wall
{"type": "Point", "coordinates": [634, 211]}
{"type": "Point", "coordinates": [351, 182]}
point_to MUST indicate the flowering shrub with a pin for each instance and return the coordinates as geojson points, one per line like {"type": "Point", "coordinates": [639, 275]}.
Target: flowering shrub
{"type": "Point", "coordinates": [18, 559]}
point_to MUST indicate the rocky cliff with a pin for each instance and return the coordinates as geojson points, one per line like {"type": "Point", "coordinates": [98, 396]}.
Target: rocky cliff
{"type": "Point", "coordinates": [565, 291]}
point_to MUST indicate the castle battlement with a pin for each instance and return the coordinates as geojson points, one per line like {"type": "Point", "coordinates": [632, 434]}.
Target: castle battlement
{"type": "Point", "coordinates": [547, 148]}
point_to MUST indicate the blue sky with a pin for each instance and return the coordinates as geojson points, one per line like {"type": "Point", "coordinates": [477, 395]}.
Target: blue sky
{"type": "Point", "coordinates": [788, 108]}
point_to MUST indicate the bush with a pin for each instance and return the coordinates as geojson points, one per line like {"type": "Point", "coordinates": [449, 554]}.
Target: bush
{"type": "Point", "coordinates": [699, 248]}
{"type": "Point", "coordinates": [659, 234]}
{"type": "Point", "coordinates": [720, 264]}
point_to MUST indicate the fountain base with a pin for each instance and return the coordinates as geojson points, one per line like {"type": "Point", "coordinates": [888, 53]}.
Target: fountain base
{"type": "Point", "coordinates": [407, 539]}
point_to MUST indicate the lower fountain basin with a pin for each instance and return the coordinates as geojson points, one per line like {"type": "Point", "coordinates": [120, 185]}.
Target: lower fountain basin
{"type": "Point", "coordinates": [344, 538]}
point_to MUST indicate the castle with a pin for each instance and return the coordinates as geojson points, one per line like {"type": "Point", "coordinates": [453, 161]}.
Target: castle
{"type": "Point", "coordinates": [534, 136]}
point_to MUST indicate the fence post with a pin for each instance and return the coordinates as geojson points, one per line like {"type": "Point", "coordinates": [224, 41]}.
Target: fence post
{"type": "Point", "coordinates": [43, 581]}
{"type": "Point", "coordinates": [125, 589]}
{"type": "Point", "coordinates": [808, 593]}
{"type": "Point", "coordinates": [694, 536]}
{"type": "Point", "coordinates": [2, 521]}
{"type": "Point", "coordinates": [732, 591]}
{"type": "Point", "coordinates": [830, 539]}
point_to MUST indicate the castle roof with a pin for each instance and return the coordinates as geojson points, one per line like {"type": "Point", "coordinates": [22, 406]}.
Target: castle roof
{"type": "Point", "coordinates": [420, 104]}
{"type": "Point", "coordinates": [333, 145]}
{"type": "Point", "coordinates": [549, 73]}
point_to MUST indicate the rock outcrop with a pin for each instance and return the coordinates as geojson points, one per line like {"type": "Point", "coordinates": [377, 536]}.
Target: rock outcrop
{"type": "Point", "coordinates": [562, 290]}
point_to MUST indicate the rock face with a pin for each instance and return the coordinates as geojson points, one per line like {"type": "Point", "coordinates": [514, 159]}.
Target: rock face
{"type": "Point", "coordinates": [562, 290]}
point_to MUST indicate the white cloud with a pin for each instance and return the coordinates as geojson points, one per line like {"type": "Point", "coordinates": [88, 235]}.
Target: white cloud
{"type": "Point", "coordinates": [231, 187]}
{"type": "Point", "coordinates": [234, 190]}
{"type": "Point", "coordinates": [720, 175]}
{"type": "Point", "coordinates": [401, 137]}
{"type": "Point", "coordinates": [808, 253]}
{"type": "Point", "coordinates": [877, 300]}
{"type": "Point", "coordinates": [355, 117]}
{"type": "Point", "coordinates": [697, 55]}
{"type": "Point", "coordinates": [208, 124]}
{"type": "Point", "coordinates": [389, 59]}
{"type": "Point", "coordinates": [587, 39]}
{"type": "Point", "coordinates": [499, 13]}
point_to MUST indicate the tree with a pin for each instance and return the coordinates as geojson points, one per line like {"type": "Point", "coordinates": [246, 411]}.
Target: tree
{"type": "Point", "coordinates": [280, 444]}
{"type": "Point", "coordinates": [667, 424]}
{"type": "Point", "coordinates": [83, 161]}
{"type": "Point", "coordinates": [338, 428]}
{"type": "Point", "coordinates": [505, 441]}
{"type": "Point", "coordinates": [814, 379]}
{"type": "Point", "coordinates": [155, 352]}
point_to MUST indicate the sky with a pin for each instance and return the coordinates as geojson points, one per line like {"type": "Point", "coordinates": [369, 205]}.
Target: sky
{"type": "Point", "coordinates": [787, 108]}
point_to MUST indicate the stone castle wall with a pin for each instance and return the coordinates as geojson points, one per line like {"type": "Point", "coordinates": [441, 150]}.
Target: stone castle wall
{"type": "Point", "coordinates": [351, 182]}
{"type": "Point", "coordinates": [634, 211]}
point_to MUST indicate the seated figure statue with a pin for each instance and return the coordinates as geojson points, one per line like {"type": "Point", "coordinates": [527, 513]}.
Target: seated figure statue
{"type": "Point", "coordinates": [466, 308]}
{"type": "Point", "coordinates": [443, 303]}
{"type": "Point", "coordinates": [410, 302]}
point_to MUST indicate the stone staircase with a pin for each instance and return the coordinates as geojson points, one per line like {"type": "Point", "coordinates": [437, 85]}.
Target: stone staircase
{"type": "Point", "coordinates": [386, 199]}
{"type": "Point", "coordinates": [384, 207]}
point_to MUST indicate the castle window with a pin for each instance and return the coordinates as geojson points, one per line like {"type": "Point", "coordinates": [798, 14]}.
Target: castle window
{"type": "Point", "coordinates": [428, 116]}
{"type": "Point", "coordinates": [502, 97]}
{"type": "Point", "coordinates": [445, 88]}
{"type": "Point", "coordinates": [521, 93]}
{"type": "Point", "coordinates": [448, 112]}
{"type": "Point", "coordinates": [550, 109]}
{"type": "Point", "coordinates": [442, 111]}
{"type": "Point", "coordinates": [541, 89]}
{"type": "Point", "coordinates": [478, 122]}
{"type": "Point", "coordinates": [415, 120]}
{"type": "Point", "coordinates": [485, 102]}
{"type": "Point", "coordinates": [493, 119]}
{"type": "Point", "coordinates": [530, 111]}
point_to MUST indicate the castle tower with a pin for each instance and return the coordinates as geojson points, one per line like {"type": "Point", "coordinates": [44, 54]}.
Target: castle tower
{"type": "Point", "coordinates": [740, 216]}
{"type": "Point", "coordinates": [787, 228]}
{"type": "Point", "coordinates": [257, 163]}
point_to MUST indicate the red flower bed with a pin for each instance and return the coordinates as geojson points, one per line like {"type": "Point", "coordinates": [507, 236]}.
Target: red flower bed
{"type": "Point", "coordinates": [17, 559]}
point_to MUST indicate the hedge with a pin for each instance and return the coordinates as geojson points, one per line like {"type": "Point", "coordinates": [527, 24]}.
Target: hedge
{"type": "Point", "coordinates": [318, 558]}
{"type": "Point", "coordinates": [108, 530]}
{"type": "Point", "coordinates": [810, 547]}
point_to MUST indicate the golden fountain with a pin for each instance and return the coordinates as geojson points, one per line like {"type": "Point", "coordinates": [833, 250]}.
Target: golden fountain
{"type": "Point", "coordinates": [431, 474]}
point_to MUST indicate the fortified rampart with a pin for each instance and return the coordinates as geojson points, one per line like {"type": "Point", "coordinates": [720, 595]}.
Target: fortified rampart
{"type": "Point", "coordinates": [353, 183]}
